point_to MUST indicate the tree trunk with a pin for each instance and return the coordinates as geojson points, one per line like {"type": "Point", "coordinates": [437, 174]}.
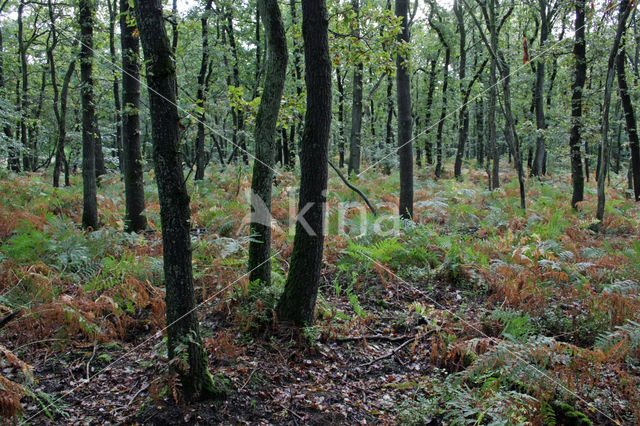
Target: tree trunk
{"type": "Point", "coordinates": [201, 157]}
{"type": "Point", "coordinates": [405, 149]}
{"type": "Point", "coordinates": [604, 145]}
{"type": "Point", "coordinates": [541, 124]}
{"type": "Point", "coordinates": [479, 131]}
{"type": "Point", "coordinates": [297, 303]}
{"type": "Point", "coordinates": [389, 124]}
{"type": "Point", "coordinates": [428, 148]}
{"type": "Point", "coordinates": [113, 13]}
{"type": "Point", "coordinates": [356, 106]}
{"type": "Point", "coordinates": [463, 118]}
{"type": "Point", "coordinates": [266, 120]}
{"type": "Point", "coordinates": [23, 105]}
{"type": "Point", "coordinates": [579, 54]}
{"type": "Point", "coordinates": [443, 111]}
{"type": "Point", "coordinates": [340, 84]}
{"type": "Point", "coordinates": [630, 119]}
{"type": "Point", "coordinates": [13, 160]}
{"type": "Point", "coordinates": [183, 334]}
{"type": "Point", "coordinates": [90, 204]}
{"type": "Point", "coordinates": [135, 221]}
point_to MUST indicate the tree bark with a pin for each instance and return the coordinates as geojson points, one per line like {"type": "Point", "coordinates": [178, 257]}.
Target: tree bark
{"type": "Point", "coordinates": [13, 160]}
{"type": "Point", "coordinates": [90, 203]}
{"type": "Point", "coordinates": [428, 148]}
{"type": "Point", "coordinates": [340, 85]}
{"type": "Point", "coordinates": [443, 111]}
{"type": "Point", "coordinates": [604, 145]}
{"type": "Point", "coordinates": [463, 118]}
{"type": "Point", "coordinates": [630, 118]}
{"type": "Point", "coordinates": [266, 120]}
{"type": "Point", "coordinates": [113, 13]}
{"type": "Point", "coordinates": [201, 158]}
{"type": "Point", "coordinates": [405, 147]}
{"type": "Point", "coordinates": [541, 125]}
{"type": "Point", "coordinates": [183, 334]}
{"type": "Point", "coordinates": [356, 106]}
{"type": "Point", "coordinates": [297, 303]}
{"type": "Point", "coordinates": [135, 221]}
{"type": "Point", "coordinates": [579, 54]}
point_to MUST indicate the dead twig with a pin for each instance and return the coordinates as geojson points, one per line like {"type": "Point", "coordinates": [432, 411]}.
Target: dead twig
{"type": "Point", "coordinates": [382, 337]}
{"type": "Point", "coordinates": [388, 354]}
{"type": "Point", "coordinates": [91, 359]}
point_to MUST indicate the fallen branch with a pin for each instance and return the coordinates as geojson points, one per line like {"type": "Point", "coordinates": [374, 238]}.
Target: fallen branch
{"type": "Point", "coordinates": [9, 317]}
{"type": "Point", "coordinates": [382, 337]}
{"type": "Point", "coordinates": [353, 188]}
{"type": "Point", "coordinates": [389, 354]}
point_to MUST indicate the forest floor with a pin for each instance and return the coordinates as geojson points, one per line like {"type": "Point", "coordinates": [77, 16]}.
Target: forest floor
{"type": "Point", "coordinates": [478, 313]}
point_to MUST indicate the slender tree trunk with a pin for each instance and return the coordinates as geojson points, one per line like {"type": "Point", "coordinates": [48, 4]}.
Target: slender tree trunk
{"type": "Point", "coordinates": [604, 145]}
{"type": "Point", "coordinates": [463, 119]}
{"type": "Point", "coordinates": [135, 221]}
{"type": "Point", "coordinates": [183, 331]}
{"type": "Point", "coordinates": [13, 160]}
{"type": "Point", "coordinates": [201, 157]}
{"type": "Point", "coordinates": [100, 165]}
{"type": "Point", "coordinates": [266, 120]}
{"type": "Point", "coordinates": [23, 105]}
{"type": "Point", "coordinates": [113, 13]}
{"type": "Point", "coordinates": [340, 84]}
{"type": "Point", "coordinates": [428, 148]}
{"type": "Point", "coordinates": [356, 106]}
{"type": "Point", "coordinates": [541, 124]}
{"type": "Point", "coordinates": [630, 118]}
{"type": "Point", "coordinates": [389, 124]}
{"type": "Point", "coordinates": [90, 203]}
{"type": "Point", "coordinates": [443, 111]}
{"type": "Point", "coordinates": [405, 149]}
{"type": "Point", "coordinates": [579, 54]}
{"type": "Point", "coordinates": [479, 130]}
{"type": "Point", "coordinates": [297, 303]}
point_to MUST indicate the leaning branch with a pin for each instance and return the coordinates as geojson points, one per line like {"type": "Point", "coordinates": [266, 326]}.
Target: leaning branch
{"type": "Point", "coordinates": [353, 188]}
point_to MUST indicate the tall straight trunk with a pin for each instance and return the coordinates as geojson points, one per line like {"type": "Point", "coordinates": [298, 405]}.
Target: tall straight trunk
{"type": "Point", "coordinates": [296, 127]}
{"type": "Point", "coordinates": [90, 203]}
{"type": "Point", "coordinates": [428, 148]}
{"type": "Point", "coordinates": [579, 55]}
{"type": "Point", "coordinates": [100, 165]}
{"type": "Point", "coordinates": [13, 160]}
{"type": "Point", "coordinates": [113, 13]}
{"type": "Point", "coordinates": [59, 103]}
{"type": "Point", "coordinates": [405, 149]}
{"type": "Point", "coordinates": [604, 145]}
{"type": "Point", "coordinates": [629, 117]}
{"type": "Point", "coordinates": [463, 118]}
{"type": "Point", "coordinates": [238, 114]}
{"type": "Point", "coordinates": [201, 159]}
{"type": "Point", "coordinates": [266, 120]}
{"type": "Point", "coordinates": [443, 111]}
{"type": "Point", "coordinates": [340, 85]}
{"type": "Point", "coordinates": [297, 303]}
{"type": "Point", "coordinates": [356, 106]}
{"type": "Point", "coordinates": [135, 221]}
{"type": "Point", "coordinates": [183, 332]}
{"type": "Point", "coordinates": [541, 125]}
{"type": "Point", "coordinates": [24, 101]}
{"type": "Point", "coordinates": [511, 134]}
{"type": "Point", "coordinates": [479, 130]}
{"type": "Point", "coordinates": [389, 123]}
{"type": "Point", "coordinates": [355, 136]}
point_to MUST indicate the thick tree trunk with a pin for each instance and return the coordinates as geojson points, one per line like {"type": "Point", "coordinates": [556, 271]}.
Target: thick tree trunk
{"type": "Point", "coordinates": [135, 221]}
{"type": "Point", "coordinates": [201, 158]}
{"type": "Point", "coordinates": [90, 203]}
{"type": "Point", "coordinates": [630, 120]}
{"type": "Point", "coordinates": [297, 303]}
{"type": "Point", "coordinates": [183, 332]}
{"type": "Point", "coordinates": [405, 149]}
{"type": "Point", "coordinates": [604, 145]}
{"type": "Point", "coordinates": [579, 54]}
{"type": "Point", "coordinates": [266, 120]}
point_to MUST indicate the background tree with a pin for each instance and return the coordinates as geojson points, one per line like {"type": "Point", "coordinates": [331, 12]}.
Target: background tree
{"type": "Point", "coordinates": [405, 147]}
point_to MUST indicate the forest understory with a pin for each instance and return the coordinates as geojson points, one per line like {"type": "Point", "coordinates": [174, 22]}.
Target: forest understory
{"type": "Point", "coordinates": [477, 313]}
